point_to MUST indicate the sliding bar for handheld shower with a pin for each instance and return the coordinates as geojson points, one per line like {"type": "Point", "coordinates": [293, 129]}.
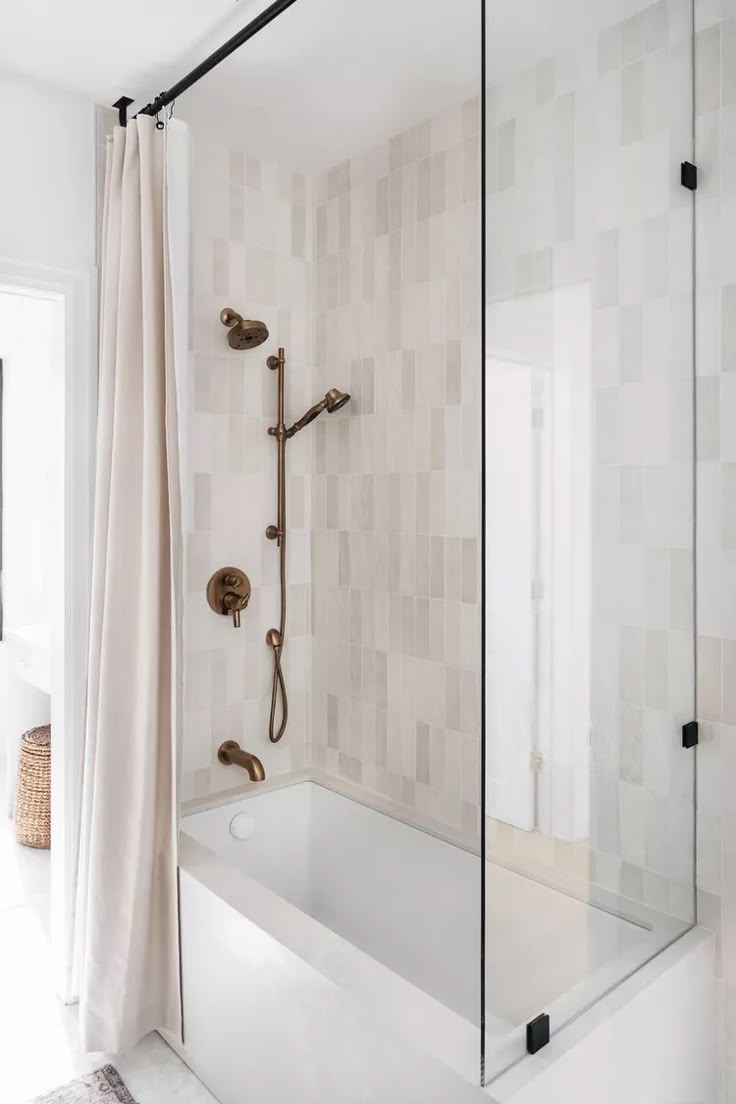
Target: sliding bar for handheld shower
{"type": "Point", "coordinates": [277, 532]}
{"type": "Point", "coordinates": [332, 401]}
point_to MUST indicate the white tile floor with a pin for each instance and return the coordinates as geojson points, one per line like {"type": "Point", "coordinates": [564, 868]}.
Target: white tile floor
{"type": "Point", "coordinates": [39, 1042]}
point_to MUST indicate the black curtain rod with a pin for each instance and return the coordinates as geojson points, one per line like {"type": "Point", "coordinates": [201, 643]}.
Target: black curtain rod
{"type": "Point", "coordinates": [165, 98]}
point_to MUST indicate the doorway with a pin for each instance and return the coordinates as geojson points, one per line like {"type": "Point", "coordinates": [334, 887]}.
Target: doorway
{"type": "Point", "coordinates": [31, 432]}
{"type": "Point", "coordinates": [46, 426]}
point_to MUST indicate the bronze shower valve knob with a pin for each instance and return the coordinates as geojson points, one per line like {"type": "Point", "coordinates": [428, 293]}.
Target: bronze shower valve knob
{"type": "Point", "coordinates": [228, 593]}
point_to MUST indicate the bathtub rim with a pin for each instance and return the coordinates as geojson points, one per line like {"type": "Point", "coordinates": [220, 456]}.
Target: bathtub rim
{"type": "Point", "coordinates": [624, 908]}
{"type": "Point", "coordinates": [339, 786]}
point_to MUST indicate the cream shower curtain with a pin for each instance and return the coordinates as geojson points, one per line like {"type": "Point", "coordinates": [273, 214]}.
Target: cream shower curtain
{"type": "Point", "coordinates": [127, 917]}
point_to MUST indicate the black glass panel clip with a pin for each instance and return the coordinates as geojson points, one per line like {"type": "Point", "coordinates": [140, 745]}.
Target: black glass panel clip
{"type": "Point", "coordinates": [690, 734]}
{"type": "Point", "coordinates": [537, 1033]}
{"type": "Point", "coordinates": [689, 175]}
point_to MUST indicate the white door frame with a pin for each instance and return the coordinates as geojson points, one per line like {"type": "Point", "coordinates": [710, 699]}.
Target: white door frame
{"type": "Point", "coordinates": [77, 292]}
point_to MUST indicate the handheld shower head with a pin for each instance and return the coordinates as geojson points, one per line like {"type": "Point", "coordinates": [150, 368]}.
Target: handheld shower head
{"type": "Point", "coordinates": [244, 332]}
{"type": "Point", "coordinates": [336, 400]}
{"type": "Point", "coordinates": [332, 401]}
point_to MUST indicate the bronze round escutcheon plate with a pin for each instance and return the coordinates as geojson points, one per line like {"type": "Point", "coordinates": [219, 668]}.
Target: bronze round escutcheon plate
{"type": "Point", "coordinates": [228, 581]}
{"type": "Point", "coordinates": [223, 752]}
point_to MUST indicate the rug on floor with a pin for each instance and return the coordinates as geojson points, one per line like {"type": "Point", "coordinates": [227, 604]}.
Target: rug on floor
{"type": "Point", "coordinates": [104, 1086]}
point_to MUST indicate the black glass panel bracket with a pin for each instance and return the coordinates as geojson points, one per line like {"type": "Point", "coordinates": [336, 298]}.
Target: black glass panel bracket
{"type": "Point", "coordinates": [690, 734]}
{"type": "Point", "coordinates": [537, 1033]}
{"type": "Point", "coordinates": [689, 175]}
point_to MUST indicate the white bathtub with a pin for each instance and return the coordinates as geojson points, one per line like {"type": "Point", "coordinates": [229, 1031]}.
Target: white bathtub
{"type": "Point", "coordinates": [332, 956]}
{"type": "Point", "coordinates": [319, 960]}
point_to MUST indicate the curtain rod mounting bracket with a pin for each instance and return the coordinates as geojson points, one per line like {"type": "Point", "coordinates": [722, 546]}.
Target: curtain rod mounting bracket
{"type": "Point", "coordinates": [122, 106]}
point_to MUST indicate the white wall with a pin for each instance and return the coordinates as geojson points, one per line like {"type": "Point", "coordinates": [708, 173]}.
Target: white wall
{"type": "Point", "coordinates": [47, 181]}
{"type": "Point", "coordinates": [47, 221]}
{"type": "Point", "coordinates": [32, 353]}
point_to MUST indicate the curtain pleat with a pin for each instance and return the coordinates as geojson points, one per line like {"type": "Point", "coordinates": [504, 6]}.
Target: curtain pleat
{"type": "Point", "coordinates": [127, 924]}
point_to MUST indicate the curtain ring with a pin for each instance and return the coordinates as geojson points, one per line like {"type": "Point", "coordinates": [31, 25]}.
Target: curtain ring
{"type": "Point", "coordinates": [160, 124]}
{"type": "Point", "coordinates": [171, 111]}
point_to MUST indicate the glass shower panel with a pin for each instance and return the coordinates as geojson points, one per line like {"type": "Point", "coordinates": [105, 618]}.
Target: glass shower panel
{"type": "Point", "coordinates": [589, 512]}
{"type": "Point", "coordinates": [396, 496]}
{"type": "Point", "coordinates": [344, 211]}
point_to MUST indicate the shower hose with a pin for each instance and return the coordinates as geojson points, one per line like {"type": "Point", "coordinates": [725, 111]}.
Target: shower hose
{"type": "Point", "coordinates": [278, 686]}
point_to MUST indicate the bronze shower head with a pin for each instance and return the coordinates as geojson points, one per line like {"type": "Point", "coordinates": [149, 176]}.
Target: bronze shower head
{"type": "Point", "coordinates": [333, 400]}
{"type": "Point", "coordinates": [244, 332]}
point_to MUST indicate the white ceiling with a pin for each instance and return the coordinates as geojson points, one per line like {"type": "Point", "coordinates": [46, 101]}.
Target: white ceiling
{"type": "Point", "coordinates": [101, 47]}
{"type": "Point", "coordinates": [328, 78]}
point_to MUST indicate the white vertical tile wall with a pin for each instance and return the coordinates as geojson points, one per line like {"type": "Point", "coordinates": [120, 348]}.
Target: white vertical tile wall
{"type": "Point", "coordinates": [251, 251]}
{"type": "Point", "coordinates": [715, 61]}
{"type": "Point", "coordinates": [395, 512]}
{"type": "Point", "coordinates": [584, 196]}
{"type": "Point", "coordinates": [371, 271]}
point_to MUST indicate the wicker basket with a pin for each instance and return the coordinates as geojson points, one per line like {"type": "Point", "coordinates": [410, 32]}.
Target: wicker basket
{"type": "Point", "coordinates": [33, 792]}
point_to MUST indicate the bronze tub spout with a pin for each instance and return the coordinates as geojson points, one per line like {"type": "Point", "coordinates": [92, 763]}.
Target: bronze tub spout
{"type": "Point", "coordinates": [231, 753]}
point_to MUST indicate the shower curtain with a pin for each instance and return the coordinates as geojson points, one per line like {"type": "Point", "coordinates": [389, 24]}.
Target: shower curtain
{"type": "Point", "coordinates": [127, 914]}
